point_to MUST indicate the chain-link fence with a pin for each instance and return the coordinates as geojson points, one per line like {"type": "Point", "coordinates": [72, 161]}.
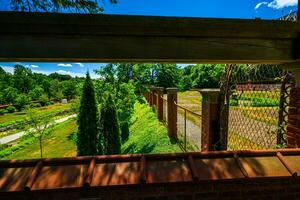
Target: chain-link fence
{"type": "Point", "coordinates": [257, 107]}
{"type": "Point", "coordinates": [188, 128]}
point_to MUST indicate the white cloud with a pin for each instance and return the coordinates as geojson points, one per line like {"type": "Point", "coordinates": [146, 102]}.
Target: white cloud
{"type": "Point", "coordinates": [73, 74]}
{"type": "Point", "coordinates": [32, 66]}
{"type": "Point", "coordinates": [8, 69]}
{"type": "Point", "coordinates": [277, 4]}
{"type": "Point", "coordinates": [64, 65]}
{"type": "Point", "coordinates": [260, 4]}
{"type": "Point", "coordinates": [80, 64]}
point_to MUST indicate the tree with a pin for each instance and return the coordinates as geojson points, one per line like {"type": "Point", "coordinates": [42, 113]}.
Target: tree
{"type": "Point", "coordinates": [36, 93]}
{"type": "Point", "coordinates": [21, 101]}
{"type": "Point", "coordinates": [80, 6]}
{"type": "Point", "coordinates": [167, 75]}
{"type": "Point", "coordinates": [87, 136]}
{"type": "Point", "coordinates": [109, 127]}
{"type": "Point", "coordinates": [40, 125]}
{"type": "Point", "coordinates": [22, 78]}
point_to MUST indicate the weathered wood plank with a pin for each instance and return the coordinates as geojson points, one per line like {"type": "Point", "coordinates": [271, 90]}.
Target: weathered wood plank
{"type": "Point", "coordinates": [108, 38]}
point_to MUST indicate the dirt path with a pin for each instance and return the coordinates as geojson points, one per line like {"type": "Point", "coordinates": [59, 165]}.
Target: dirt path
{"type": "Point", "coordinates": [193, 131]}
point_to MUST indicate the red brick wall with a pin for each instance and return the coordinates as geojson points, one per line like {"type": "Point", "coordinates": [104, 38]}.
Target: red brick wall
{"type": "Point", "coordinates": [293, 128]}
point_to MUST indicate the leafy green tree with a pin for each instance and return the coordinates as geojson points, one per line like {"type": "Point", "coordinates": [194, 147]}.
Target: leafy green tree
{"type": "Point", "coordinates": [69, 89]}
{"type": "Point", "coordinates": [206, 75]}
{"type": "Point", "coordinates": [22, 78]}
{"type": "Point", "coordinates": [167, 75]}
{"type": "Point", "coordinates": [80, 6]}
{"type": "Point", "coordinates": [36, 93]}
{"type": "Point", "coordinates": [22, 101]}
{"type": "Point", "coordinates": [39, 125]}
{"type": "Point", "coordinates": [87, 136]}
{"type": "Point", "coordinates": [109, 127]}
{"type": "Point", "coordinates": [9, 95]}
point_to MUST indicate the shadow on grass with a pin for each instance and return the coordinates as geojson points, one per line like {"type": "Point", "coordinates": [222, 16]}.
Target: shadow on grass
{"type": "Point", "coordinates": [148, 148]}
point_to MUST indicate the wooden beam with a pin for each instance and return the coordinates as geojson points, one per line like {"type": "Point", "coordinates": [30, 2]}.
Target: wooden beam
{"type": "Point", "coordinates": [113, 38]}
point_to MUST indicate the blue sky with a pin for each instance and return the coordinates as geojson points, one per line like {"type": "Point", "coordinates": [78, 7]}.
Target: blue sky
{"type": "Point", "coordinates": [249, 9]}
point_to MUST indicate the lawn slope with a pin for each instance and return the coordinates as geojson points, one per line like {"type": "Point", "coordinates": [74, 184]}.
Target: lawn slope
{"type": "Point", "coordinates": [58, 143]}
{"type": "Point", "coordinates": [147, 134]}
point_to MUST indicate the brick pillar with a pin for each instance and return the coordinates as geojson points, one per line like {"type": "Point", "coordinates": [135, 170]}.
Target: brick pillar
{"type": "Point", "coordinates": [210, 125]}
{"type": "Point", "coordinates": [172, 112]}
{"type": "Point", "coordinates": [160, 103]}
{"type": "Point", "coordinates": [151, 96]}
{"type": "Point", "coordinates": [293, 127]}
{"type": "Point", "coordinates": [146, 95]}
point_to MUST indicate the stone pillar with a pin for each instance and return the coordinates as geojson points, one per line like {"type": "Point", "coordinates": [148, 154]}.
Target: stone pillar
{"type": "Point", "coordinates": [172, 112]}
{"type": "Point", "coordinates": [160, 103]}
{"type": "Point", "coordinates": [210, 125]}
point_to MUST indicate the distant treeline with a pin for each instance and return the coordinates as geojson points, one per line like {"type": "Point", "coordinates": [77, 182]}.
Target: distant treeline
{"type": "Point", "coordinates": [24, 86]}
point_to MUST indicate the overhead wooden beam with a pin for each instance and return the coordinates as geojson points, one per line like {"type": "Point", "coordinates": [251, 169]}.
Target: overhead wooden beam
{"type": "Point", "coordinates": [113, 38]}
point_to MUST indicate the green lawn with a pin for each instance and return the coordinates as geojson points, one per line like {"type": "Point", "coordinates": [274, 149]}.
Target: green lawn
{"type": "Point", "coordinates": [16, 117]}
{"type": "Point", "coordinates": [58, 143]}
{"type": "Point", "coordinates": [147, 134]}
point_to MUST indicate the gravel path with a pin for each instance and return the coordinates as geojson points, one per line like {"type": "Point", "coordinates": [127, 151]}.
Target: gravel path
{"type": "Point", "coordinates": [15, 136]}
{"type": "Point", "coordinates": [193, 132]}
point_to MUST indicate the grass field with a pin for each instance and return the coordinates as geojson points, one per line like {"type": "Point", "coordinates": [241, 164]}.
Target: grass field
{"type": "Point", "coordinates": [42, 111]}
{"type": "Point", "coordinates": [58, 143]}
{"type": "Point", "coordinates": [15, 117]}
{"type": "Point", "coordinates": [147, 134]}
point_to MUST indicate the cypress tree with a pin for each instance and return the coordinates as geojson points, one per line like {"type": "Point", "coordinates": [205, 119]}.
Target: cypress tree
{"type": "Point", "coordinates": [110, 127]}
{"type": "Point", "coordinates": [87, 141]}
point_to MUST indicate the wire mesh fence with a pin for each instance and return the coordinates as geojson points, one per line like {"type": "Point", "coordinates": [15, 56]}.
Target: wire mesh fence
{"type": "Point", "coordinates": [258, 107]}
{"type": "Point", "coordinates": [188, 128]}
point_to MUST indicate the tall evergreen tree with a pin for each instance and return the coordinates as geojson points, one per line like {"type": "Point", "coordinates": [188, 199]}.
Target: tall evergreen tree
{"type": "Point", "coordinates": [87, 140]}
{"type": "Point", "coordinates": [110, 127]}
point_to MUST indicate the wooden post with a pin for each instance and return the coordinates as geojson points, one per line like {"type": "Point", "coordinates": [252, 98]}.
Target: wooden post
{"type": "Point", "coordinates": [172, 112]}
{"type": "Point", "coordinates": [210, 125]}
{"type": "Point", "coordinates": [160, 103]}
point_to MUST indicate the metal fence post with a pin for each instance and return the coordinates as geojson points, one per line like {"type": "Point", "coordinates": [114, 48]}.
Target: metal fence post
{"type": "Point", "coordinates": [159, 103]}
{"type": "Point", "coordinates": [172, 112]}
{"type": "Point", "coordinates": [210, 125]}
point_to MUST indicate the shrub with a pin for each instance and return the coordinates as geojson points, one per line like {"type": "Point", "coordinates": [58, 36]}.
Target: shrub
{"type": "Point", "coordinates": [36, 105]}
{"type": "Point", "coordinates": [233, 102]}
{"type": "Point", "coordinates": [264, 102]}
{"type": "Point", "coordinates": [22, 101]}
{"type": "Point", "coordinates": [10, 109]}
{"type": "Point", "coordinates": [109, 126]}
{"type": "Point", "coordinates": [3, 111]}
{"type": "Point", "coordinates": [44, 100]}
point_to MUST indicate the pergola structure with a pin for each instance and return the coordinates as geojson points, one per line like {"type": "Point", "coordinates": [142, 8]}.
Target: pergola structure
{"type": "Point", "coordinates": [106, 38]}
{"type": "Point", "coordinates": [113, 38]}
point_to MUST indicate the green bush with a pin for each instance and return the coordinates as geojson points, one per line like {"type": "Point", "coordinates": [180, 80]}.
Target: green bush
{"type": "Point", "coordinates": [3, 111]}
{"type": "Point", "coordinates": [44, 100]}
{"type": "Point", "coordinates": [36, 105]}
{"type": "Point", "coordinates": [11, 109]}
{"type": "Point", "coordinates": [233, 102]}
{"type": "Point", "coordinates": [22, 101]}
{"type": "Point", "coordinates": [264, 102]}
